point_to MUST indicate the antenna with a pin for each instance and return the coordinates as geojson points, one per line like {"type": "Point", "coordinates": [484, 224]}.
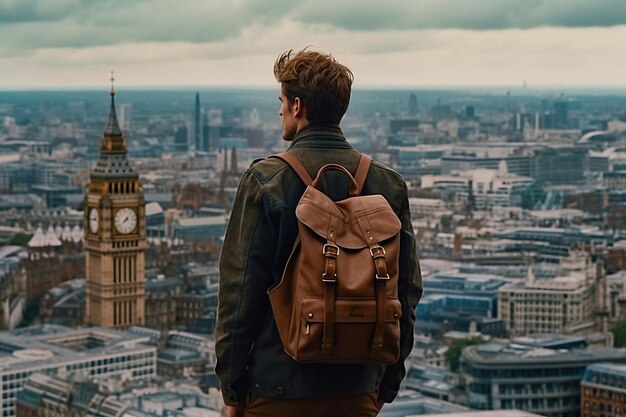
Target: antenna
{"type": "Point", "coordinates": [112, 83]}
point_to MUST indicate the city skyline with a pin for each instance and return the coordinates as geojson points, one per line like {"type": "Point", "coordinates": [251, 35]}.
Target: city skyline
{"type": "Point", "coordinates": [74, 43]}
{"type": "Point", "coordinates": [115, 219]}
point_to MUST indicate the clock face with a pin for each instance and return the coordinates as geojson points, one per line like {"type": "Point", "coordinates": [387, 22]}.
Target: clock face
{"type": "Point", "coordinates": [125, 220]}
{"type": "Point", "coordinates": [94, 220]}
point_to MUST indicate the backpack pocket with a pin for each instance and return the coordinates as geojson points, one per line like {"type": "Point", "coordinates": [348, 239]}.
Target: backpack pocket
{"type": "Point", "coordinates": [355, 320]}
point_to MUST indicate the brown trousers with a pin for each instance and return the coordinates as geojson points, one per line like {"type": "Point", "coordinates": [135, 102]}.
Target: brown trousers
{"type": "Point", "coordinates": [353, 405]}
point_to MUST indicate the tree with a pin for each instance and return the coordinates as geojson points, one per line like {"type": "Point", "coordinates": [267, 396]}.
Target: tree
{"type": "Point", "coordinates": [453, 354]}
{"type": "Point", "coordinates": [20, 239]}
{"type": "Point", "coordinates": [619, 333]}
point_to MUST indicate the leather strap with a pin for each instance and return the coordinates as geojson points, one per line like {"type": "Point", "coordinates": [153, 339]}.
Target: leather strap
{"type": "Point", "coordinates": [361, 171]}
{"type": "Point", "coordinates": [382, 276]}
{"type": "Point", "coordinates": [296, 165]}
{"type": "Point", "coordinates": [331, 252]}
{"type": "Point", "coordinates": [359, 176]}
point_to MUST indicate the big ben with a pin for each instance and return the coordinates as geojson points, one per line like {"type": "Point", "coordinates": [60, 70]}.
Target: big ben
{"type": "Point", "coordinates": [115, 237]}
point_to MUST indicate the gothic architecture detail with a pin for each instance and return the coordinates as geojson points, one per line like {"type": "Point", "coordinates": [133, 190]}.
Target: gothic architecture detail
{"type": "Point", "coordinates": [115, 237]}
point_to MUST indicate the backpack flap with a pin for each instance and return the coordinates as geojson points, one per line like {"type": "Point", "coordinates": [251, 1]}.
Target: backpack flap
{"type": "Point", "coordinates": [320, 214]}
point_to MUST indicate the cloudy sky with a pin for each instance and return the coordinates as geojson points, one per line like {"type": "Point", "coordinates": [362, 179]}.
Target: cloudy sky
{"type": "Point", "coordinates": [75, 43]}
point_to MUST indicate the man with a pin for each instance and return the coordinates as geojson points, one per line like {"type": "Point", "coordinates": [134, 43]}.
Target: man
{"type": "Point", "coordinates": [257, 377]}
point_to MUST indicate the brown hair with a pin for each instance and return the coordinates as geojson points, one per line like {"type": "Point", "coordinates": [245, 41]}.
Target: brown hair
{"type": "Point", "coordinates": [322, 83]}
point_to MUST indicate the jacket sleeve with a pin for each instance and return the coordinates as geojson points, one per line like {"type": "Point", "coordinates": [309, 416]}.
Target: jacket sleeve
{"type": "Point", "coordinates": [409, 293]}
{"type": "Point", "coordinates": [245, 276]}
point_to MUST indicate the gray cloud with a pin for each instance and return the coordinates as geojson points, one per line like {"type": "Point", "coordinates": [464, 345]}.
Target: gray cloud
{"type": "Point", "coordinates": [19, 11]}
{"type": "Point", "coordinates": [463, 14]}
{"type": "Point", "coordinates": [30, 25]}
{"type": "Point", "coordinates": [34, 24]}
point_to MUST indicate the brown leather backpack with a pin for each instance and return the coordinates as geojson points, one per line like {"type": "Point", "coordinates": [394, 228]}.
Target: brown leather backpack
{"type": "Point", "coordinates": [337, 301]}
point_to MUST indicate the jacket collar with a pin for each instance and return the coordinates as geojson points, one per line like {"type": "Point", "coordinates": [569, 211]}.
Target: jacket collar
{"type": "Point", "coordinates": [320, 136]}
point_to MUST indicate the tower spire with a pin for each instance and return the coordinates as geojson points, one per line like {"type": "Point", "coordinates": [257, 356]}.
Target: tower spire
{"type": "Point", "coordinates": [113, 127]}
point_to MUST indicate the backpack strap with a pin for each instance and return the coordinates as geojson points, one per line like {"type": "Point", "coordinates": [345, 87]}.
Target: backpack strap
{"type": "Point", "coordinates": [360, 175]}
{"type": "Point", "coordinates": [296, 165]}
{"type": "Point", "coordinates": [361, 171]}
{"type": "Point", "coordinates": [381, 277]}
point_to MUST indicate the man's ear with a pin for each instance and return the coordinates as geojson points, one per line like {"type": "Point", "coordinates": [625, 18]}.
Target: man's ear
{"type": "Point", "coordinates": [298, 108]}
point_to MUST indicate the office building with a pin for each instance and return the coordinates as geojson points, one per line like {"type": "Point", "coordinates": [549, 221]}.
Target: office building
{"type": "Point", "coordinates": [438, 313]}
{"type": "Point", "coordinates": [57, 350]}
{"type": "Point", "coordinates": [487, 159]}
{"type": "Point", "coordinates": [412, 403]}
{"type": "Point", "coordinates": [126, 117]}
{"type": "Point", "coordinates": [567, 303]}
{"type": "Point", "coordinates": [200, 228]}
{"type": "Point", "coordinates": [498, 413]}
{"type": "Point", "coordinates": [603, 391]}
{"type": "Point", "coordinates": [481, 188]}
{"type": "Point", "coordinates": [188, 357]}
{"type": "Point", "coordinates": [561, 120]}
{"type": "Point", "coordinates": [412, 105]}
{"type": "Point", "coordinates": [564, 165]}
{"type": "Point", "coordinates": [505, 376]}
{"type": "Point", "coordinates": [197, 127]}
{"type": "Point", "coordinates": [74, 396]}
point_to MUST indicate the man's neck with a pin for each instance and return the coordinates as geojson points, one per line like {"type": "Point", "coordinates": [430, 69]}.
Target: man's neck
{"type": "Point", "coordinates": [302, 123]}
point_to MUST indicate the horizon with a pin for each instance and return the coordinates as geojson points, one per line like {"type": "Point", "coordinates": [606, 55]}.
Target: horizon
{"type": "Point", "coordinates": [120, 88]}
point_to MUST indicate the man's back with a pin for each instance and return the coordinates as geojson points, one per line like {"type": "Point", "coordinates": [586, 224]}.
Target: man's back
{"type": "Point", "coordinates": [260, 236]}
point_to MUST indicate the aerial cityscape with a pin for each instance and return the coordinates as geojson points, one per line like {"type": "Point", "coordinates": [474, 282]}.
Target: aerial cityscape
{"type": "Point", "coordinates": [506, 120]}
{"type": "Point", "coordinates": [114, 205]}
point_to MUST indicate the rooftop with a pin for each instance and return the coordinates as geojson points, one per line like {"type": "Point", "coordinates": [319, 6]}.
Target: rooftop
{"type": "Point", "coordinates": [153, 208]}
{"type": "Point", "coordinates": [493, 413]}
{"type": "Point", "coordinates": [610, 368]}
{"type": "Point", "coordinates": [201, 221]}
{"type": "Point", "coordinates": [413, 403]}
{"type": "Point", "coordinates": [22, 348]}
{"type": "Point", "coordinates": [499, 354]}
{"type": "Point", "coordinates": [548, 340]}
{"type": "Point", "coordinates": [607, 375]}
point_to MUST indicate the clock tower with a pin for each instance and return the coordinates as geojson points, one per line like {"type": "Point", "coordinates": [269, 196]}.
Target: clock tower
{"type": "Point", "coordinates": [115, 236]}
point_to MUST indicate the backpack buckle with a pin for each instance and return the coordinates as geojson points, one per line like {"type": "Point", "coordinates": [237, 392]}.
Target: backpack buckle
{"type": "Point", "coordinates": [331, 246]}
{"type": "Point", "coordinates": [324, 279]}
{"type": "Point", "coordinates": [383, 277]}
{"type": "Point", "coordinates": [377, 251]}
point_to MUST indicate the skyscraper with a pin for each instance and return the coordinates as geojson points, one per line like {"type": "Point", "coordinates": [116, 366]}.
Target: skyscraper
{"type": "Point", "coordinates": [197, 126]}
{"type": "Point", "coordinates": [126, 117]}
{"type": "Point", "coordinates": [115, 236]}
{"type": "Point", "coordinates": [560, 115]}
{"type": "Point", "coordinates": [412, 105]}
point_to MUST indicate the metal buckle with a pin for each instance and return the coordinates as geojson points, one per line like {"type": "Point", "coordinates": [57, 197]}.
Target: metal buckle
{"type": "Point", "coordinates": [329, 280]}
{"type": "Point", "coordinates": [328, 245]}
{"type": "Point", "coordinates": [383, 278]}
{"type": "Point", "coordinates": [378, 249]}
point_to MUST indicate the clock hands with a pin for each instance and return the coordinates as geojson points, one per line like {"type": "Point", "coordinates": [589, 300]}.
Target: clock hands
{"type": "Point", "coordinates": [125, 220]}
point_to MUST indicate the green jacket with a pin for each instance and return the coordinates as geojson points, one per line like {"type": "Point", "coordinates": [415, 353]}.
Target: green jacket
{"type": "Point", "coordinates": [259, 238]}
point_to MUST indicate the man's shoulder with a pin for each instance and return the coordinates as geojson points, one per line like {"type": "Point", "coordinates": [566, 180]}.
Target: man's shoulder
{"type": "Point", "coordinates": [384, 169]}
{"type": "Point", "coordinates": [381, 170]}
{"type": "Point", "coordinates": [264, 169]}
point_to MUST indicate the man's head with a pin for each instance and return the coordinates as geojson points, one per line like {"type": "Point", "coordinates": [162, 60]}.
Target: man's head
{"type": "Point", "coordinates": [315, 89]}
